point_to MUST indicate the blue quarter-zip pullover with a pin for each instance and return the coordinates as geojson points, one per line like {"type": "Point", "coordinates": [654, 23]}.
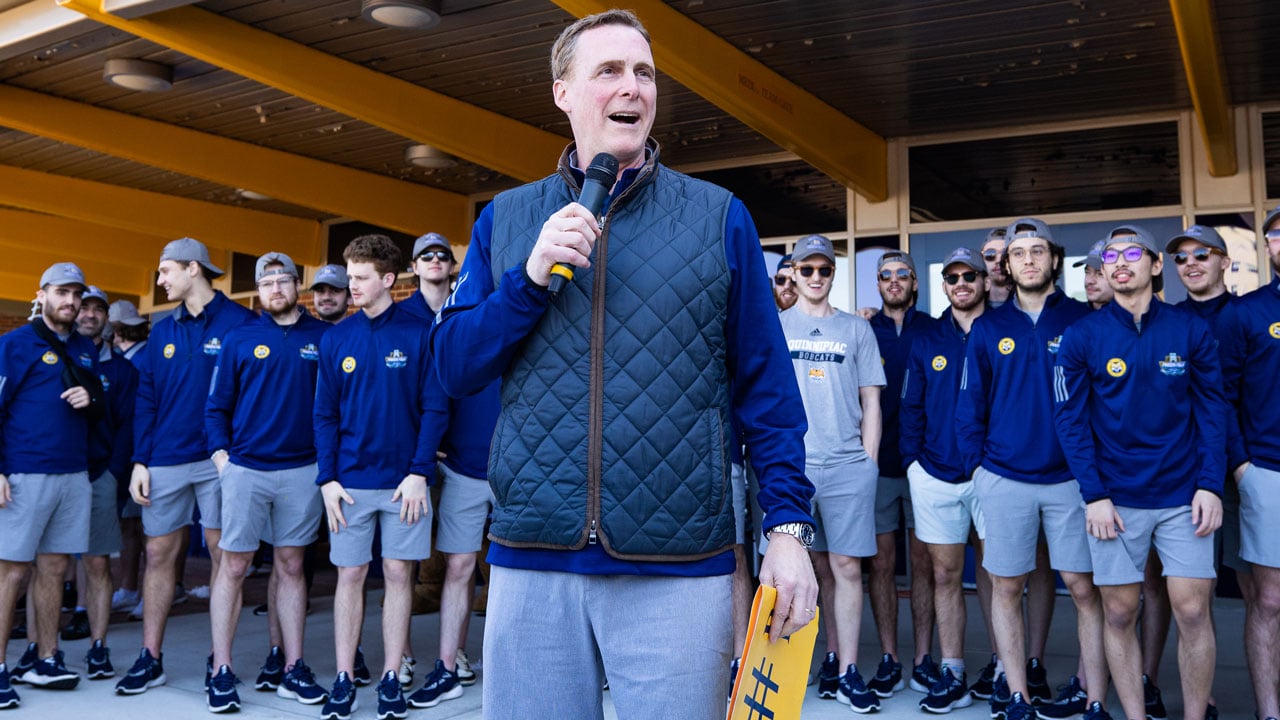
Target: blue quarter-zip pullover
{"type": "Point", "coordinates": [39, 431]}
{"type": "Point", "coordinates": [111, 438]}
{"type": "Point", "coordinates": [895, 349]}
{"type": "Point", "coordinates": [930, 391]}
{"type": "Point", "coordinates": [1250, 366]}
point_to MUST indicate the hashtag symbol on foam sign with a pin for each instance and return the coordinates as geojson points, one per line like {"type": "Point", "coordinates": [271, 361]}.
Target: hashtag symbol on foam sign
{"type": "Point", "coordinates": [757, 709]}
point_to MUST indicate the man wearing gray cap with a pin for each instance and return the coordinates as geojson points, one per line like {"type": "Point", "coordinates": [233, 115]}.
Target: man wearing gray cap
{"type": "Point", "coordinates": [1097, 291]}
{"type": "Point", "coordinates": [49, 396]}
{"type": "Point", "coordinates": [259, 434]}
{"type": "Point", "coordinates": [433, 265]}
{"type": "Point", "coordinates": [993, 256]}
{"type": "Point", "coordinates": [129, 332]}
{"type": "Point", "coordinates": [172, 471]}
{"type": "Point", "coordinates": [329, 293]}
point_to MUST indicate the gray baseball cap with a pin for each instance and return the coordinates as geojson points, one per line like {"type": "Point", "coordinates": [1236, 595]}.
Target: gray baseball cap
{"type": "Point", "coordinates": [1030, 227]}
{"type": "Point", "coordinates": [95, 293]}
{"type": "Point", "coordinates": [430, 240]}
{"type": "Point", "coordinates": [1202, 234]}
{"type": "Point", "coordinates": [969, 258]}
{"type": "Point", "coordinates": [63, 273]}
{"type": "Point", "coordinates": [185, 250]}
{"type": "Point", "coordinates": [811, 245]}
{"type": "Point", "coordinates": [333, 276]}
{"type": "Point", "coordinates": [1134, 234]}
{"type": "Point", "coordinates": [1270, 219]}
{"type": "Point", "coordinates": [125, 313]}
{"type": "Point", "coordinates": [274, 258]}
{"type": "Point", "coordinates": [1094, 258]}
{"type": "Point", "coordinates": [898, 256]}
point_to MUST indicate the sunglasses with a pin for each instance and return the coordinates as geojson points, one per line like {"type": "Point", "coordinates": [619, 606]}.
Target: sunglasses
{"type": "Point", "coordinates": [991, 255]}
{"type": "Point", "coordinates": [807, 271]}
{"type": "Point", "coordinates": [955, 278]}
{"type": "Point", "coordinates": [1132, 253]}
{"type": "Point", "coordinates": [901, 273]}
{"type": "Point", "coordinates": [1273, 235]}
{"type": "Point", "coordinates": [430, 255]}
{"type": "Point", "coordinates": [781, 280]}
{"type": "Point", "coordinates": [1199, 254]}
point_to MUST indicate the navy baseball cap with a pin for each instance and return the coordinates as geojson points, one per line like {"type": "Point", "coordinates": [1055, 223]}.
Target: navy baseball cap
{"type": "Point", "coordinates": [784, 262]}
{"type": "Point", "coordinates": [1202, 234]}
{"type": "Point", "coordinates": [1271, 218]}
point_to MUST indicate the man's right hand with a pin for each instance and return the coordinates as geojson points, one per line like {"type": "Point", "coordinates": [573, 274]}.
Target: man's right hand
{"type": "Point", "coordinates": [1241, 470]}
{"type": "Point", "coordinates": [567, 237]}
{"type": "Point", "coordinates": [1102, 520]}
{"type": "Point", "coordinates": [140, 485]}
{"type": "Point", "coordinates": [334, 495]}
{"type": "Point", "coordinates": [5, 496]}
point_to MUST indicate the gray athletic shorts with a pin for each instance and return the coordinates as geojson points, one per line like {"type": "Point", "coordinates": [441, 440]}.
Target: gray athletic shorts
{"type": "Point", "coordinates": [738, 479]}
{"type": "Point", "coordinates": [944, 511]}
{"type": "Point", "coordinates": [892, 493]}
{"type": "Point", "coordinates": [1228, 536]}
{"type": "Point", "coordinates": [464, 507]}
{"type": "Point", "coordinates": [282, 507]}
{"type": "Point", "coordinates": [104, 521]}
{"type": "Point", "coordinates": [1015, 512]}
{"type": "Point", "coordinates": [352, 546]}
{"type": "Point", "coordinates": [1124, 560]}
{"type": "Point", "coordinates": [47, 515]}
{"type": "Point", "coordinates": [1259, 508]}
{"type": "Point", "coordinates": [844, 502]}
{"type": "Point", "coordinates": [176, 490]}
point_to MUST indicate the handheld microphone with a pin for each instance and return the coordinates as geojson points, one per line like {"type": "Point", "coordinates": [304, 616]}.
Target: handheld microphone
{"type": "Point", "coordinates": [601, 174]}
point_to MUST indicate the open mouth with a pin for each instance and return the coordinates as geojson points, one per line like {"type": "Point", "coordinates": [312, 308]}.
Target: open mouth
{"type": "Point", "coordinates": [625, 118]}
{"type": "Point", "coordinates": [1121, 276]}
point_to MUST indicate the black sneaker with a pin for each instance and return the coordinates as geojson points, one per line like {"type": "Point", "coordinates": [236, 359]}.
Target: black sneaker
{"type": "Point", "coordinates": [70, 598]}
{"type": "Point", "coordinates": [1096, 712]}
{"type": "Point", "coordinates": [1019, 708]}
{"type": "Point", "coordinates": [1211, 712]}
{"type": "Point", "coordinates": [222, 691]}
{"type": "Point", "coordinates": [147, 672]}
{"type": "Point", "coordinates": [8, 696]}
{"type": "Point", "coordinates": [342, 700]}
{"type": "Point", "coordinates": [261, 610]}
{"type": "Point", "coordinates": [999, 696]}
{"type": "Point", "coordinates": [925, 675]}
{"type": "Point", "coordinates": [1072, 700]}
{"type": "Point", "coordinates": [51, 673]}
{"type": "Point", "coordinates": [442, 684]}
{"type": "Point", "coordinates": [300, 684]}
{"type": "Point", "coordinates": [77, 628]}
{"type": "Point", "coordinates": [1151, 697]}
{"type": "Point", "coordinates": [25, 663]}
{"type": "Point", "coordinates": [391, 702]}
{"type": "Point", "coordinates": [1038, 689]}
{"type": "Point", "coordinates": [19, 631]}
{"type": "Point", "coordinates": [829, 677]}
{"type": "Point", "coordinates": [948, 693]}
{"type": "Point", "coordinates": [98, 662]}
{"type": "Point", "coordinates": [854, 693]}
{"type": "Point", "coordinates": [981, 689]}
{"type": "Point", "coordinates": [360, 675]}
{"type": "Point", "coordinates": [888, 677]}
{"type": "Point", "coordinates": [272, 672]}
{"type": "Point", "coordinates": [208, 670]}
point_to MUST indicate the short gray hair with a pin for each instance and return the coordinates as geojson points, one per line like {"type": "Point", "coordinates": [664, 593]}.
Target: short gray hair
{"type": "Point", "coordinates": [562, 50]}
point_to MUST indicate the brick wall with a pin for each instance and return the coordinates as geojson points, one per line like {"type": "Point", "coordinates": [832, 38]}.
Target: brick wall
{"type": "Point", "coordinates": [9, 322]}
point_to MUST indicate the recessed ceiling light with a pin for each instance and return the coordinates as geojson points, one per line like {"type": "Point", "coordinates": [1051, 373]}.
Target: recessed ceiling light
{"type": "Point", "coordinates": [417, 14]}
{"type": "Point", "coordinates": [141, 75]}
{"type": "Point", "coordinates": [251, 195]}
{"type": "Point", "coordinates": [426, 156]}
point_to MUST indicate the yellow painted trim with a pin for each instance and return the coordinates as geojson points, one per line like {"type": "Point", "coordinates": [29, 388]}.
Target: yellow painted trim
{"type": "Point", "coordinates": [1207, 81]}
{"type": "Point", "coordinates": [775, 107]}
{"type": "Point", "coordinates": [78, 238]}
{"type": "Point", "coordinates": [151, 213]}
{"type": "Point", "coordinates": [480, 136]}
{"type": "Point", "coordinates": [327, 187]}
{"type": "Point", "coordinates": [29, 264]}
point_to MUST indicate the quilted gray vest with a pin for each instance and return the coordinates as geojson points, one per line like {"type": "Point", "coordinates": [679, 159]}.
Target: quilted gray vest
{"type": "Point", "coordinates": [614, 424]}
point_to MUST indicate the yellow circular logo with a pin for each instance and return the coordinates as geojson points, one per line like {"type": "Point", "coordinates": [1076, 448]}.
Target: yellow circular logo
{"type": "Point", "coordinates": [168, 350]}
{"type": "Point", "coordinates": [939, 363]}
{"type": "Point", "coordinates": [348, 364]}
{"type": "Point", "coordinates": [49, 358]}
{"type": "Point", "coordinates": [1006, 346]}
{"type": "Point", "coordinates": [261, 352]}
{"type": "Point", "coordinates": [1116, 367]}
{"type": "Point", "coordinates": [1275, 330]}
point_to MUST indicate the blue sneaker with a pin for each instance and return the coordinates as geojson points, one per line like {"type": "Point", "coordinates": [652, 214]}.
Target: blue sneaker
{"type": "Point", "coordinates": [1038, 690]}
{"type": "Point", "coordinates": [854, 693]}
{"type": "Point", "coordinates": [1096, 712]}
{"type": "Point", "coordinates": [999, 696]}
{"type": "Point", "coordinates": [1019, 708]}
{"type": "Point", "coordinates": [888, 677]}
{"type": "Point", "coordinates": [300, 684]}
{"type": "Point", "coordinates": [98, 662]}
{"type": "Point", "coordinates": [360, 674]}
{"type": "Point", "coordinates": [147, 672]}
{"type": "Point", "coordinates": [442, 684]}
{"type": "Point", "coordinates": [829, 677]}
{"type": "Point", "coordinates": [1072, 701]}
{"type": "Point", "coordinates": [51, 673]}
{"type": "Point", "coordinates": [25, 663]}
{"type": "Point", "coordinates": [925, 675]}
{"type": "Point", "coordinates": [1151, 698]}
{"type": "Point", "coordinates": [208, 670]}
{"type": "Point", "coordinates": [985, 683]}
{"type": "Point", "coordinates": [222, 691]}
{"type": "Point", "coordinates": [391, 702]}
{"type": "Point", "coordinates": [272, 672]}
{"type": "Point", "coordinates": [8, 696]}
{"type": "Point", "coordinates": [948, 693]}
{"type": "Point", "coordinates": [342, 700]}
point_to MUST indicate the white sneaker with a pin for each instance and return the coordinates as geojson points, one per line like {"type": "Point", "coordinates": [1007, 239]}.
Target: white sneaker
{"type": "Point", "coordinates": [123, 599]}
{"type": "Point", "coordinates": [136, 612]}
{"type": "Point", "coordinates": [407, 664]}
{"type": "Point", "coordinates": [466, 675]}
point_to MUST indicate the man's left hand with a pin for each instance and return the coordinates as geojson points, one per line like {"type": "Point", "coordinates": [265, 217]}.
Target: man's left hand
{"type": "Point", "coordinates": [77, 397]}
{"type": "Point", "coordinates": [1206, 512]}
{"type": "Point", "coordinates": [412, 494]}
{"type": "Point", "coordinates": [787, 569]}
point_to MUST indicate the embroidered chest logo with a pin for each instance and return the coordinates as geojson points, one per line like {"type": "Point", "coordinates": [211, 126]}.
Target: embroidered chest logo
{"type": "Point", "coordinates": [348, 364]}
{"type": "Point", "coordinates": [1173, 364]}
{"type": "Point", "coordinates": [309, 352]}
{"type": "Point", "coordinates": [1055, 344]}
{"type": "Point", "coordinates": [1116, 367]}
{"type": "Point", "coordinates": [1274, 330]}
{"type": "Point", "coordinates": [106, 384]}
{"type": "Point", "coordinates": [261, 352]}
{"type": "Point", "coordinates": [85, 361]}
{"type": "Point", "coordinates": [939, 363]}
{"type": "Point", "coordinates": [1006, 346]}
{"type": "Point", "coordinates": [49, 358]}
{"type": "Point", "coordinates": [396, 359]}
{"type": "Point", "coordinates": [168, 351]}
{"type": "Point", "coordinates": [213, 347]}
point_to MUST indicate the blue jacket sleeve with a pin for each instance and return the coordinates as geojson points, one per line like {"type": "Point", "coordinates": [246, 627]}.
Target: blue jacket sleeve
{"type": "Point", "coordinates": [971, 405]}
{"type": "Point", "coordinates": [480, 326]}
{"type": "Point", "coordinates": [221, 403]}
{"type": "Point", "coordinates": [144, 408]}
{"type": "Point", "coordinates": [325, 416]}
{"type": "Point", "coordinates": [766, 397]}
{"type": "Point", "coordinates": [125, 396]}
{"type": "Point", "coordinates": [1071, 414]}
{"type": "Point", "coordinates": [1232, 353]}
{"type": "Point", "coordinates": [434, 421]}
{"type": "Point", "coordinates": [12, 373]}
{"type": "Point", "coordinates": [1209, 410]}
{"type": "Point", "coordinates": [911, 416]}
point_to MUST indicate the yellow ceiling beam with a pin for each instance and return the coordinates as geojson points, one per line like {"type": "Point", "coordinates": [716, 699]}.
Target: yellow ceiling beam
{"type": "Point", "coordinates": [1207, 81]}
{"type": "Point", "coordinates": [770, 104]}
{"type": "Point", "coordinates": [330, 188]}
{"type": "Point", "coordinates": [27, 263]}
{"type": "Point", "coordinates": [469, 132]}
{"type": "Point", "coordinates": [77, 238]}
{"type": "Point", "coordinates": [151, 213]}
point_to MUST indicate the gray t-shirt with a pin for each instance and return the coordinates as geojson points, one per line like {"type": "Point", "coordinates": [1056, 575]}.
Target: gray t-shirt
{"type": "Point", "coordinates": [833, 357]}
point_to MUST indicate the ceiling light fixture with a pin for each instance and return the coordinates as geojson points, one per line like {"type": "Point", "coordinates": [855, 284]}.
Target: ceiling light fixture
{"type": "Point", "coordinates": [416, 14]}
{"type": "Point", "coordinates": [251, 195]}
{"type": "Point", "coordinates": [426, 156]}
{"type": "Point", "coordinates": [141, 75]}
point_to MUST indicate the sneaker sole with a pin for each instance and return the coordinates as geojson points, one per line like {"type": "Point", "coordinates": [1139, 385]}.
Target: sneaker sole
{"type": "Point", "coordinates": [393, 714]}
{"type": "Point", "coordinates": [826, 695]}
{"type": "Point", "coordinates": [962, 702]}
{"type": "Point", "coordinates": [469, 680]}
{"type": "Point", "coordinates": [8, 704]}
{"type": "Point", "coordinates": [897, 687]}
{"type": "Point", "coordinates": [138, 691]}
{"type": "Point", "coordinates": [101, 674]}
{"type": "Point", "coordinates": [16, 677]}
{"type": "Point", "coordinates": [453, 694]}
{"type": "Point", "coordinates": [362, 682]}
{"type": "Point", "coordinates": [287, 694]}
{"type": "Point", "coordinates": [979, 695]}
{"type": "Point", "coordinates": [265, 685]}
{"type": "Point", "coordinates": [865, 711]}
{"type": "Point", "coordinates": [355, 705]}
{"type": "Point", "coordinates": [230, 707]}
{"type": "Point", "coordinates": [62, 683]}
{"type": "Point", "coordinates": [919, 686]}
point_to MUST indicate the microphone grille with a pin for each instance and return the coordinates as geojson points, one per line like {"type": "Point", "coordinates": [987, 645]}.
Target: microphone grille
{"type": "Point", "coordinates": [603, 169]}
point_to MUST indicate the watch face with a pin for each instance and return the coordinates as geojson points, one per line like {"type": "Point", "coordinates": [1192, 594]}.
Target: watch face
{"type": "Point", "coordinates": [806, 535]}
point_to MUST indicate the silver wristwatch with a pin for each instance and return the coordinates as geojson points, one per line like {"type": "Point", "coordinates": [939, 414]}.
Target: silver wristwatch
{"type": "Point", "coordinates": [801, 531]}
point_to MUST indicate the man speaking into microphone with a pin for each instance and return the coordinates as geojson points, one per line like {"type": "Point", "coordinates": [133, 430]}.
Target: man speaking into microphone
{"type": "Point", "coordinates": [613, 529]}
